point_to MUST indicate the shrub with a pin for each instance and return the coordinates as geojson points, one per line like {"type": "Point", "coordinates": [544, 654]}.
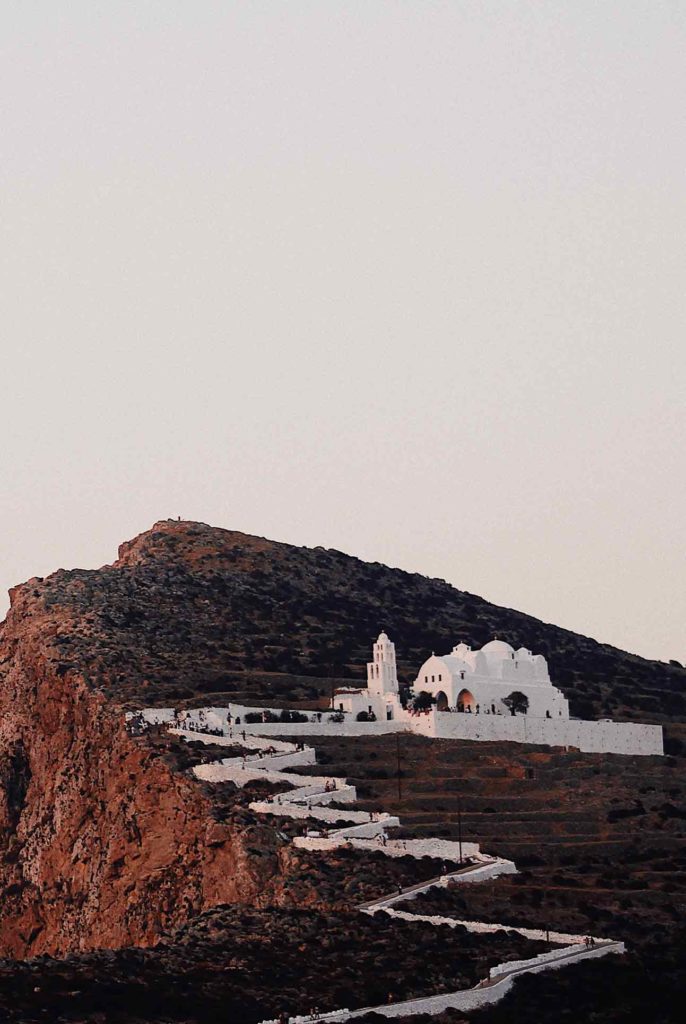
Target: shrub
{"type": "Point", "coordinates": [423, 701]}
{"type": "Point", "coordinates": [292, 716]}
{"type": "Point", "coordinates": [516, 702]}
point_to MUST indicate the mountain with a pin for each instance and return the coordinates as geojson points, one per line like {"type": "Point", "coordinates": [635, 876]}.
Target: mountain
{"type": "Point", "coordinates": [106, 843]}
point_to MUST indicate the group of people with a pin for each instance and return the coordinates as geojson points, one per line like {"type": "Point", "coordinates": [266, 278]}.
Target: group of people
{"type": "Point", "coordinates": [191, 725]}
{"type": "Point", "coordinates": [467, 709]}
{"type": "Point", "coordinates": [267, 751]}
{"type": "Point", "coordinates": [461, 708]}
{"type": "Point", "coordinates": [330, 786]}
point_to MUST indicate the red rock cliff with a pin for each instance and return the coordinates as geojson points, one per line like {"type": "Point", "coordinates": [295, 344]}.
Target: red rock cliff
{"type": "Point", "coordinates": [101, 843]}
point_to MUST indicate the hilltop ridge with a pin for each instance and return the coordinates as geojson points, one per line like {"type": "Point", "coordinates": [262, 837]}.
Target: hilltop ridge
{"type": "Point", "coordinates": [191, 610]}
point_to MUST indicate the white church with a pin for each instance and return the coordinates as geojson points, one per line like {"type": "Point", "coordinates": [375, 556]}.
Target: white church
{"type": "Point", "coordinates": [481, 681]}
{"type": "Point", "coordinates": [495, 693]}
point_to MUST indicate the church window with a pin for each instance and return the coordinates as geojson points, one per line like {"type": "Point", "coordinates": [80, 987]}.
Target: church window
{"type": "Point", "coordinates": [433, 679]}
{"type": "Point", "coordinates": [439, 677]}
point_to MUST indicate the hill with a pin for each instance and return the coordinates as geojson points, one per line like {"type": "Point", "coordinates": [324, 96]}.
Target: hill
{"type": "Point", "coordinates": [190, 610]}
{"type": "Point", "coordinates": [116, 861]}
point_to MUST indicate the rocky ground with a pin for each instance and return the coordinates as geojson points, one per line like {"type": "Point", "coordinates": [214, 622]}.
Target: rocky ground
{"type": "Point", "coordinates": [236, 964]}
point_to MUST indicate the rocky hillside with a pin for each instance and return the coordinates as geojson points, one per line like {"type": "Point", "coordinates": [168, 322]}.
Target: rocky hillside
{"type": "Point", "coordinates": [190, 610]}
{"type": "Point", "coordinates": [101, 842]}
{"type": "Point", "coordinates": [106, 843]}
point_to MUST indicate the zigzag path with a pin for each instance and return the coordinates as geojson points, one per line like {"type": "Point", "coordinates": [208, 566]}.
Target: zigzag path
{"type": "Point", "coordinates": [312, 797]}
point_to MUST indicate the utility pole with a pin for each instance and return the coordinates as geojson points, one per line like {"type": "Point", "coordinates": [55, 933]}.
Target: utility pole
{"type": "Point", "coordinates": [459, 827]}
{"type": "Point", "coordinates": [397, 752]}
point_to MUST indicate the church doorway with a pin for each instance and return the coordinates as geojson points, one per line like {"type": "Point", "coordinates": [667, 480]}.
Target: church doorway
{"type": "Point", "coordinates": [465, 701]}
{"type": "Point", "coordinates": [441, 701]}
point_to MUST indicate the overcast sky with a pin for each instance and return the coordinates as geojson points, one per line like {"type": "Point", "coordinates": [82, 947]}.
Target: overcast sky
{"type": "Point", "coordinates": [402, 278]}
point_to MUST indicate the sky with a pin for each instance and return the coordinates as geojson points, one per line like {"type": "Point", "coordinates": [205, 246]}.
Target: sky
{"type": "Point", "coordinates": [406, 279]}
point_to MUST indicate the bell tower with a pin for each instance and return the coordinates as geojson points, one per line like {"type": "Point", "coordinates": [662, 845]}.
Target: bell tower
{"type": "Point", "coordinates": [381, 672]}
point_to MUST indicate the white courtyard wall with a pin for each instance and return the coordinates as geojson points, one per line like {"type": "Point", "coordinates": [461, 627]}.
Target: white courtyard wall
{"type": "Point", "coordinates": [592, 737]}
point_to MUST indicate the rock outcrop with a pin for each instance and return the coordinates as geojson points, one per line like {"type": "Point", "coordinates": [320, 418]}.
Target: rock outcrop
{"type": "Point", "coordinates": [102, 844]}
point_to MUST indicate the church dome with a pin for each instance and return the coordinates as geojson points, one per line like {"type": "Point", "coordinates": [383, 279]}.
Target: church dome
{"type": "Point", "coordinates": [383, 638]}
{"type": "Point", "coordinates": [499, 648]}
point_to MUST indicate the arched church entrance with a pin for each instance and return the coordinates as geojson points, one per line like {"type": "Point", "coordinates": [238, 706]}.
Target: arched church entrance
{"type": "Point", "coordinates": [465, 701]}
{"type": "Point", "coordinates": [441, 701]}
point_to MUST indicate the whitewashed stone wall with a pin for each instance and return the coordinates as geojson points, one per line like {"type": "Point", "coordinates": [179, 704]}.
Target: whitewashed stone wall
{"type": "Point", "coordinates": [438, 849]}
{"type": "Point", "coordinates": [485, 927]}
{"type": "Point", "coordinates": [542, 958]}
{"type": "Point", "coordinates": [592, 737]}
{"type": "Point", "coordinates": [367, 830]}
{"type": "Point", "coordinates": [296, 759]}
{"type": "Point", "coordinates": [291, 810]}
{"type": "Point", "coordinates": [323, 728]}
{"type": "Point", "coordinates": [471, 998]}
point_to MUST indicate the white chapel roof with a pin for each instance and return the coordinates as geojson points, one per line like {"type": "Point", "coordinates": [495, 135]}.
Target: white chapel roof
{"type": "Point", "coordinates": [498, 647]}
{"type": "Point", "coordinates": [453, 663]}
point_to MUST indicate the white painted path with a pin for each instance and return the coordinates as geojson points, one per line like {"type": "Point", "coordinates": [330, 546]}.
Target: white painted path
{"type": "Point", "coordinates": [309, 797]}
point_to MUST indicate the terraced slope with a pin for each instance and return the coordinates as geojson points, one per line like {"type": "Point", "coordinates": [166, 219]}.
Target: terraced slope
{"type": "Point", "coordinates": [600, 841]}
